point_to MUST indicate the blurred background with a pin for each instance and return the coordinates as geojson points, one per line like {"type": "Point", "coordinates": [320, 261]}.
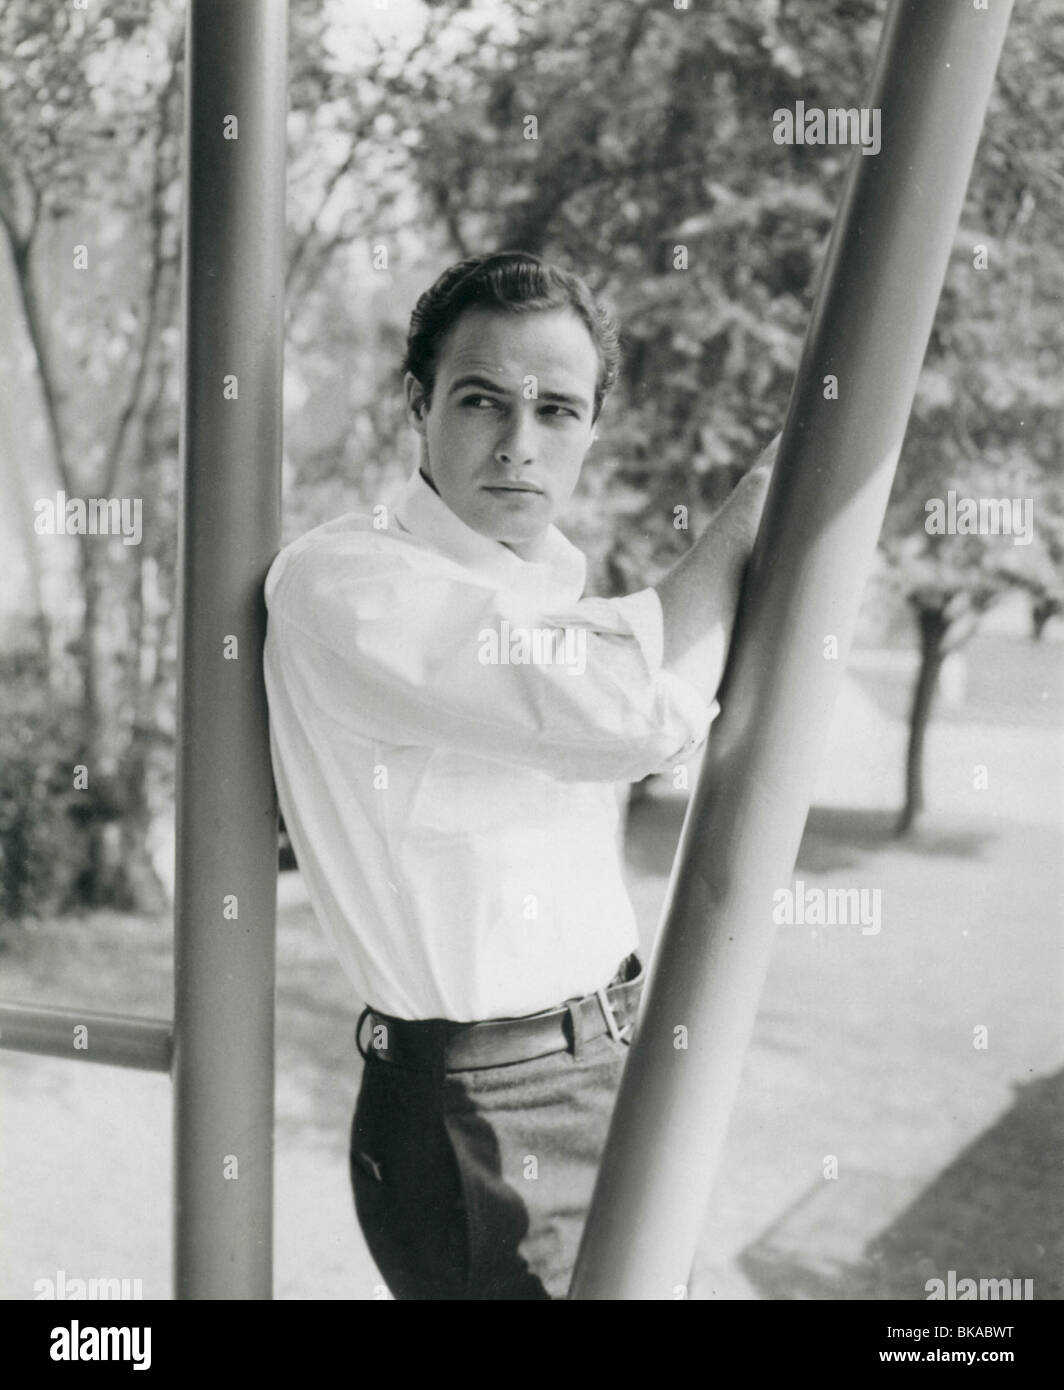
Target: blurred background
{"type": "Point", "coordinates": [632, 142]}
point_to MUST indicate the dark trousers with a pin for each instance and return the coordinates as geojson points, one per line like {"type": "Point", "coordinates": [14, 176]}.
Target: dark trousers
{"type": "Point", "coordinates": [475, 1184]}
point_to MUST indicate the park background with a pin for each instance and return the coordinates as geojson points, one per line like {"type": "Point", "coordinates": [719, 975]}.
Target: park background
{"type": "Point", "coordinates": [942, 782]}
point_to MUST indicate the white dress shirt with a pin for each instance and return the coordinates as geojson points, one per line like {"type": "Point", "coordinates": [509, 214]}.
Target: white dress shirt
{"type": "Point", "coordinates": [448, 724]}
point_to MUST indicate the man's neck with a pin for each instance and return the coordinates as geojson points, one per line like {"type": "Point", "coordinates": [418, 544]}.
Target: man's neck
{"type": "Point", "coordinates": [528, 550]}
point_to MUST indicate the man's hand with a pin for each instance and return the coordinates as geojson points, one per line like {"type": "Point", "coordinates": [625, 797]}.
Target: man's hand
{"type": "Point", "coordinates": [762, 469]}
{"type": "Point", "coordinates": [699, 595]}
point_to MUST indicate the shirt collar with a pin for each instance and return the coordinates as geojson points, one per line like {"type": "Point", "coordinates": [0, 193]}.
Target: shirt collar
{"type": "Point", "coordinates": [558, 577]}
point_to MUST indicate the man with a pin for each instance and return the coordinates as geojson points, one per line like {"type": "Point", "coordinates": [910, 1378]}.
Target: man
{"type": "Point", "coordinates": [450, 719]}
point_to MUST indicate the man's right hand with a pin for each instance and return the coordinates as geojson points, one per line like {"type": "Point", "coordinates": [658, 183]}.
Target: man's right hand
{"type": "Point", "coordinates": [700, 594]}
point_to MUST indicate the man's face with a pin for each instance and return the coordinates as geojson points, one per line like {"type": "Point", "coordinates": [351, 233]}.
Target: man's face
{"type": "Point", "coordinates": [510, 421]}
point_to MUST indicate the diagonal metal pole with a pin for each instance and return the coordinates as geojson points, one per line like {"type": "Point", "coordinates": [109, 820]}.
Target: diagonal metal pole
{"type": "Point", "coordinates": [225, 896]}
{"type": "Point", "coordinates": [878, 292]}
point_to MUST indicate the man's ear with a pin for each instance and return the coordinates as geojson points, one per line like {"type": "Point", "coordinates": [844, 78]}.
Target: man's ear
{"type": "Point", "coordinates": [416, 405]}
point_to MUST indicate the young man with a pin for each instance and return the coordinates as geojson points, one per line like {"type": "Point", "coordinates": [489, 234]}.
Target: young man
{"type": "Point", "coordinates": [450, 719]}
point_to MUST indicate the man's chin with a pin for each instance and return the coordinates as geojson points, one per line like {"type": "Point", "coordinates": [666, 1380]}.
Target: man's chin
{"type": "Point", "coordinates": [523, 541]}
{"type": "Point", "coordinates": [511, 530]}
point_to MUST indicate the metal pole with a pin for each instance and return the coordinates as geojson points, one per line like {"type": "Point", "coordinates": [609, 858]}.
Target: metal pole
{"type": "Point", "coordinates": [114, 1040]}
{"type": "Point", "coordinates": [882, 277]}
{"type": "Point", "coordinates": [225, 899]}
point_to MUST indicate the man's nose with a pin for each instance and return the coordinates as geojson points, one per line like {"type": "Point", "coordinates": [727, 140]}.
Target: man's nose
{"type": "Point", "coordinates": [517, 442]}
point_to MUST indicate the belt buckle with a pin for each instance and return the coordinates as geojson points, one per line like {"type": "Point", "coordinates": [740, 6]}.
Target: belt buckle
{"type": "Point", "coordinates": [618, 1033]}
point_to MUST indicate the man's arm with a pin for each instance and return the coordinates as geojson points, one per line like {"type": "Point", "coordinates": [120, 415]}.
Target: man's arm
{"type": "Point", "coordinates": [700, 594]}
{"type": "Point", "coordinates": [405, 648]}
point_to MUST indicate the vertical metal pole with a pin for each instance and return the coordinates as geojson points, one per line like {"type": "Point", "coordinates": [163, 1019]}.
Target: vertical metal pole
{"type": "Point", "coordinates": [882, 277]}
{"type": "Point", "coordinates": [225, 898]}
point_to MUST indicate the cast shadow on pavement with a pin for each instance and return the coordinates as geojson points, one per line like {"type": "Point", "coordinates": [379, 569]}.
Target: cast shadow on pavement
{"type": "Point", "coordinates": [835, 837]}
{"type": "Point", "coordinates": [996, 1212]}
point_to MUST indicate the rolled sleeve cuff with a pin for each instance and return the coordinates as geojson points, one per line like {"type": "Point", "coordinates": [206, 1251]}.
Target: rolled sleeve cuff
{"type": "Point", "coordinates": [685, 711]}
{"type": "Point", "coordinates": [643, 614]}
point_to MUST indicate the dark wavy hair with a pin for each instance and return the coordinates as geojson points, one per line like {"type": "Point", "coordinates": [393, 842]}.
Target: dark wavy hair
{"type": "Point", "coordinates": [517, 283]}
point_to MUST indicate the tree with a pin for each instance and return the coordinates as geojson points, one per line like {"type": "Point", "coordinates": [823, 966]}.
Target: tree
{"type": "Point", "coordinates": [987, 425]}
{"type": "Point", "coordinates": [74, 156]}
{"type": "Point", "coordinates": [634, 141]}
{"type": "Point", "coordinates": [91, 116]}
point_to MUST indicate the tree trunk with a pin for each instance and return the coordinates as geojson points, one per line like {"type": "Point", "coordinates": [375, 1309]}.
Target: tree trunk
{"type": "Point", "coordinates": [92, 881]}
{"type": "Point", "coordinates": [1041, 611]}
{"type": "Point", "coordinates": [137, 886]}
{"type": "Point", "coordinates": [12, 465]}
{"type": "Point", "coordinates": [933, 626]}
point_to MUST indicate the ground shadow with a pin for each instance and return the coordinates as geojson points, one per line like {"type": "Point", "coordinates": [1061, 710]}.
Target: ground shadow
{"type": "Point", "coordinates": [835, 837]}
{"type": "Point", "coordinates": [996, 1212]}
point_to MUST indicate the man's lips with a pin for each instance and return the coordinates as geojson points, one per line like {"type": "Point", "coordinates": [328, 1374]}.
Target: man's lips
{"type": "Point", "coordinates": [512, 487]}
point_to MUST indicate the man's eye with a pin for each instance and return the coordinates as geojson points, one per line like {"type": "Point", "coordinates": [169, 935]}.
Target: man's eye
{"type": "Point", "coordinates": [560, 410]}
{"type": "Point", "coordinates": [477, 402]}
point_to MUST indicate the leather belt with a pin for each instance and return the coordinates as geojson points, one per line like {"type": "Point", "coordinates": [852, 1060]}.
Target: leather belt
{"type": "Point", "coordinates": [436, 1044]}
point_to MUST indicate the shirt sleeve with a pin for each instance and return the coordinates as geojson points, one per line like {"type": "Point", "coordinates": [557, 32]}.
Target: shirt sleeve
{"type": "Point", "coordinates": [407, 655]}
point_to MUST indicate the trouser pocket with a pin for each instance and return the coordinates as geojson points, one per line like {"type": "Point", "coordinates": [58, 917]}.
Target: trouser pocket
{"type": "Point", "coordinates": [406, 1185]}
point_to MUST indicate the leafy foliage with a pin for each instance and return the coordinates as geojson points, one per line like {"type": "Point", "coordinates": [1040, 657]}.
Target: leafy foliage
{"type": "Point", "coordinates": [652, 172]}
